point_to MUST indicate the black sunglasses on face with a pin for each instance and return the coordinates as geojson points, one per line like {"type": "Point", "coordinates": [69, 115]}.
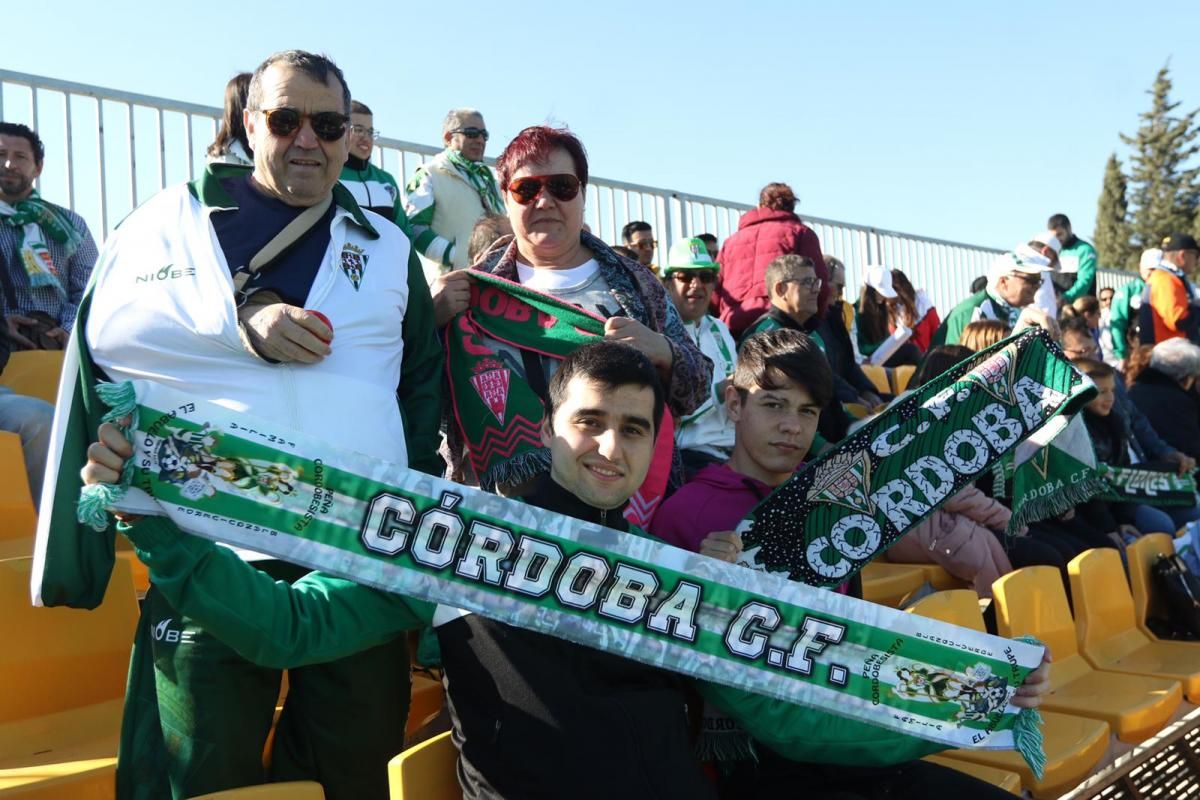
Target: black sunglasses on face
{"type": "Point", "coordinates": [562, 187]}
{"type": "Point", "coordinates": [702, 275]}
{"type": "Point", "coordinates": [472, 133]}
{"type": "Point", "coordinates": [329, 126]}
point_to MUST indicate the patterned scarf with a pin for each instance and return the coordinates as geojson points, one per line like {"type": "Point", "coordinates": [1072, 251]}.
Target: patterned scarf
{"type": "Point", "coordinates": [480, 176]}
{"type": "Point", "coordinates": [38, 219]}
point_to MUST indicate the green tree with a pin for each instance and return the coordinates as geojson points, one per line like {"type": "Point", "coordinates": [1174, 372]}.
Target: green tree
{"type": "Point", "coordinates": [1113, 246]}
{"type": "Point", "coordinates": [1163, 188]}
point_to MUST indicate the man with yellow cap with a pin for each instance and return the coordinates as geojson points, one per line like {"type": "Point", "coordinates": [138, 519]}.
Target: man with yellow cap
{"type": "Point", "coordinates": [704, 437]}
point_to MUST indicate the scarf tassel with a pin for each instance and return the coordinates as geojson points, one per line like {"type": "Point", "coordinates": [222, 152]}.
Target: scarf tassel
{"type": "Point", "coordinates": [1055, 504]}
{"type": "Point", "coordinates": [1027, 732]}
{"type": "Point", "coordinates": [94, 500]}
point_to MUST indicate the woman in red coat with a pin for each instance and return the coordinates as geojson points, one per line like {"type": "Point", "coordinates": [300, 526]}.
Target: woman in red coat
{"type": "Point", "coordinates": [771, 230]}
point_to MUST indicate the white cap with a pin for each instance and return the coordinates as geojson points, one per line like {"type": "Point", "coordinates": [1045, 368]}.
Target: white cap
{"type": "Point", "coordinates": [1050, 239]}
{"type": "Point", "coordinates": [879, 278]}
{"type": "Point", "coordinates": [1150, 258]}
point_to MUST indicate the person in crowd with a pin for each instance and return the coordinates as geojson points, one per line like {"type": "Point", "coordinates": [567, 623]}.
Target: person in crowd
{"type": "Point", "coordinates": [448, 193]}
{"type": "Point", "coordinates": [777, 394]}
{"type": "Point", "coordinates": [1126, 306]}
{"type": "Point", "coordinates": [979, 284]}
{"type": "Point", "coordinates": [1012, 283]}
{"type": "Point", "coordinates": [231, 145]}
{"type": "Point", "coordinates": [968, 535]}
{"type": "Point", "coordinates": [1088, 309]}
{"type": "Point", "coordinates": [1169, 301]}
{"type": "Point", "coordinates": [543, 174]}
{"type": "Point", "coordinates": [1046, 246]}
{"type": "Point", "coordinates": [1166, 390]}
{"type": "Point", "coordinates": [373, 187]}
{"type": "Point", "coordinates": [30, 418]}
{"type": "Point", "coordinates": [838, 307]}
{"type": "Point", "coordinates": [1147, 445]}
{"type": "Point", "coordinates": [926, 314]}
{"type": "Point", "coordinates": [983, 333]}
{"type": "Point", "coordinates": [765, 233]}
{"type": "Point", "coordinates": [710, 244]}
{"type": "Point", "coordinates": [1076, 260]}
{"type": "Point", "coordinates": [705, 437]}
{"type": "Point", "coordinates": [638, 236]}
{"type": "Point", "coordinates": [47, 250]}
{"type": "Point", "coordinates": [795, 288]}
{"type": "Point", "coordinates": [486, 232]}
{"type": "Point", "coordinates": [1106, 297]}
{"type": "Point", "coordinates": [625, 252]}
{"type": "Point", "coordinates": [197, 713]}
{"type": "Point", "coordinates": [513, 695]}
{"type": "Point", "coordinates": [884, 321]}
{"type": "Point", "coordinates": [1112, 441]}
{"type": "Point", "coordinates": [1106, 340]}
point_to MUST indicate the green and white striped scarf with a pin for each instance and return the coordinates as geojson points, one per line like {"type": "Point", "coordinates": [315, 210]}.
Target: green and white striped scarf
{"type": "Point", "coordinates": [479, 175]}
{"type": "Point", "coordinates": [39, 220]}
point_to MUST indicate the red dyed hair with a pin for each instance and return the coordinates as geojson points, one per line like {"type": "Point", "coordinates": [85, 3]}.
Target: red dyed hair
{"type": "Point", "coordinates": [535, 144]}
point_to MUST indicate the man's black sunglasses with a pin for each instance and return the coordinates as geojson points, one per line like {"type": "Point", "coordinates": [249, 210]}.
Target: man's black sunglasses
{"type": "Point", "coordinates": [329, 126]}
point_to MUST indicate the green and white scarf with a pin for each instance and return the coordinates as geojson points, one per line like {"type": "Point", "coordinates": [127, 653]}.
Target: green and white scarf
{"type": "Point", "coordinates": [480, 176]}
{"type": "Point", "coordinates": [252, 483]}
{"type": "Point", "coordinates": [39, 220]}
{"type": "Point", "coordinates": [1147, 487]}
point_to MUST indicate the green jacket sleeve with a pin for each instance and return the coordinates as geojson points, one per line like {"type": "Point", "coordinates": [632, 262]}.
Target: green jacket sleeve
{"type": "Point", "coordinates": [420, 391]}
{"type": "Point", "coordinates": [809, 735]}
{"type": "Point", "coordinates": [1118, 321]}
{"type": "Point", "coordinates": [316, 619]}
{"type": "Point", "coordinates": [1085, 279]}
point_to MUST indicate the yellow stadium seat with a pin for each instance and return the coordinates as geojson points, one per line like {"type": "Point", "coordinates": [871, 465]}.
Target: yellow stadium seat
{"type": "Point", "coordinates": [1074, 745]}
{"type": "Point", "coordinates": [888, 584]}
{"type": "Point", "coordinates": [1142, 555]}
{"type": "Point", "coordinates": [63, 675]}
{"type": "Point", "coordinates": [878, 376]}
{"type": "Point", "coordinates": [34, 373]}
{"type": "Point", "coordinates": [1032, 601]}
{"type": "Point", "coordinates": [902, 376]}
{"type": "Point", "coordinates": [425, 703]}
{"type": "Point", "coordinates": [935, 575]}
{"type": "Point", "coordinates": [1000, 778]}
{"type": "Point", "coordinates": [1108, 635]}
{"type": "Point", "coordinates": [426, 772]}
{"type": "Point", "coordinates": [18, 515]}
{"type": "Point", "coordinates": [857, 410]}
{"type": "Point", "coordinates": [292, 790]}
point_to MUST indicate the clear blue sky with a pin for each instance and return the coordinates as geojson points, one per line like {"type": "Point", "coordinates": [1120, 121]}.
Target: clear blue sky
{"type": "Point", "coordinates": [966, 121]}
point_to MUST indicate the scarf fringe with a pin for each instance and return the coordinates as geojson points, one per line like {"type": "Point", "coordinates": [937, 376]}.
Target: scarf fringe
{"type": "Point", "coordinates": [1027, 732]}
{"type": "Point", "coordinates": [725, 748]}
{"type": "Point", "coordinates": [1056, 503]}
{"type": "Point", "coordinates": [521, 468]}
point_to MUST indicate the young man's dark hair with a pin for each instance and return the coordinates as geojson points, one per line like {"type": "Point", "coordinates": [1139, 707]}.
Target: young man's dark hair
{"type": "Point", "coordinates": [1074, 324]}
{"type": "Point", "coordinates": [763, 357]}
{"type": "Point", "coordinates": [1093, 368]}
{"type": "Point", "coordinates": [611, 365]}
{"type": "Point", "coordinates": [633, 227]}
{"type": "Point", "coordinates": [359, 107]}
{"type": "Point", "coordinates": [707, 238]}
{"type": "Point", "coordinates": [938, 360]}
{"type": "Point", "coordinates": [26, 133]}
{"type": "Point", "coordinates": [1058, 221]}
{"type": "Point", "coordinates": [317, 67]}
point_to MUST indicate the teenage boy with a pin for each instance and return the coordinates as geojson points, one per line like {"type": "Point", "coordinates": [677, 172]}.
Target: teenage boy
{"type": "Point", "coordinates": [533, 716]}
{"type": "Point", "coordinates": [781, 383]}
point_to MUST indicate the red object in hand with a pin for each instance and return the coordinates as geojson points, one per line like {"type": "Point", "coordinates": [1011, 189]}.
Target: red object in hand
{"type": "Point", "coordinates": [324, 319]}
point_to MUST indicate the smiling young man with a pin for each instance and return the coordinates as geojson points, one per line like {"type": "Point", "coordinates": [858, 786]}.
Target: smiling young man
{"type": "Point", "coordinates": [705, 436]}
{"type": "Point", "coordinates": [533, 715]}
{"type": "Point", "coordinates": [373, 188]}
{"type": "Point", "coordinates": [174, 298]}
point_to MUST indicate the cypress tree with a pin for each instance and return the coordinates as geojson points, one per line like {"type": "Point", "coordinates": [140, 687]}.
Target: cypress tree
{"type": "Point", "coordinates": [1113, 246]}
{"type": "Point", "coordinates": [1163, 188]}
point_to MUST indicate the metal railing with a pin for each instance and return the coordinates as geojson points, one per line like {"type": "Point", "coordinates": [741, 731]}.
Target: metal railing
{"type": "Point", "coordinates": [108, 151]}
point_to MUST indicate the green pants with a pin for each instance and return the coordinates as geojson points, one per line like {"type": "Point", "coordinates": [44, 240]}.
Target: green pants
{"type": "Point", "coordinates": [197, 715]}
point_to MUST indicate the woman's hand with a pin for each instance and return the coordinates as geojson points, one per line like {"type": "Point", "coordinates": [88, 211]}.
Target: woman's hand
{"type": "Point", "coordinates": [451, 294]}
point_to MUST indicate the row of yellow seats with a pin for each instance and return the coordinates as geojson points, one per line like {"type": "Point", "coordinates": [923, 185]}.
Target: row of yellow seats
{"type": "Point", "coordinates": [894, 380]}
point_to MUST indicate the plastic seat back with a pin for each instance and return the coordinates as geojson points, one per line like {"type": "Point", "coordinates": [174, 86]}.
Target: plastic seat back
{"type": "Point", "coordinates": [1032, 601]}
{"type": "Point", "coordinates": [956, 606]}
{"type": "Point", "coordinates": [292, 790]}
{"type": "Point", "coordinates": [59, 659]}
{"type": "Point", "coordinates": [878, 376]}
{"type": "Point", "coordinates": [1142, 555]}
{"type": "Point", "coordinates": [902, 376]}
{"type": "Point", "coordinates": [1103, 605]}
{"type": "Point", "coordinates": [18, 514]}
{"type": "Point", "coordinates": [427, 771]}
{"type": "Point", "coordinates": [34, 373]}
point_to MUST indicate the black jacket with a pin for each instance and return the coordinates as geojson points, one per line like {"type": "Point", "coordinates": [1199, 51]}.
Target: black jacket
{"type": "Point", "coordinates": [1174, 412]}
{"type": "Point", "coordinates": [540, 717]}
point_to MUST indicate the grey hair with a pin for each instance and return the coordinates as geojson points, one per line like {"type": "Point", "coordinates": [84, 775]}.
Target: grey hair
{"type": "Point", "coordinates": [455, 115]}
{"type": "Point", "coordinates": [1178, 359]}
{"type": "Point", "coordinates": [317, 67]}
{"type": "Point", "coordinates": [786, 268]}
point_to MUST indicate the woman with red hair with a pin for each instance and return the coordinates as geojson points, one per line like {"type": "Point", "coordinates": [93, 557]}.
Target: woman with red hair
{"type": "Point", "coordinates": [763, 234]}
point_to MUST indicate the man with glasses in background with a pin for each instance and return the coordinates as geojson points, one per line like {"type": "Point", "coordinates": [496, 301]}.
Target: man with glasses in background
{"type": "Point", "coordinates": [373, 188]}
{"type": "Point", "coordinates": [207, 287]}
{"type": "Point", "coordinates": [705, 436]}
{"type": "Point", "coordinates": [638, 236]}
{"type": "Point", "coordinates": [1013, 281]}
{"type": "Point", "coordinates": [449, 193]}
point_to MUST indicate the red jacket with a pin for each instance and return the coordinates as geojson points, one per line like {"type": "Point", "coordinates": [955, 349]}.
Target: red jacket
{"type": "Point", "coordinates": [762, 235]}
